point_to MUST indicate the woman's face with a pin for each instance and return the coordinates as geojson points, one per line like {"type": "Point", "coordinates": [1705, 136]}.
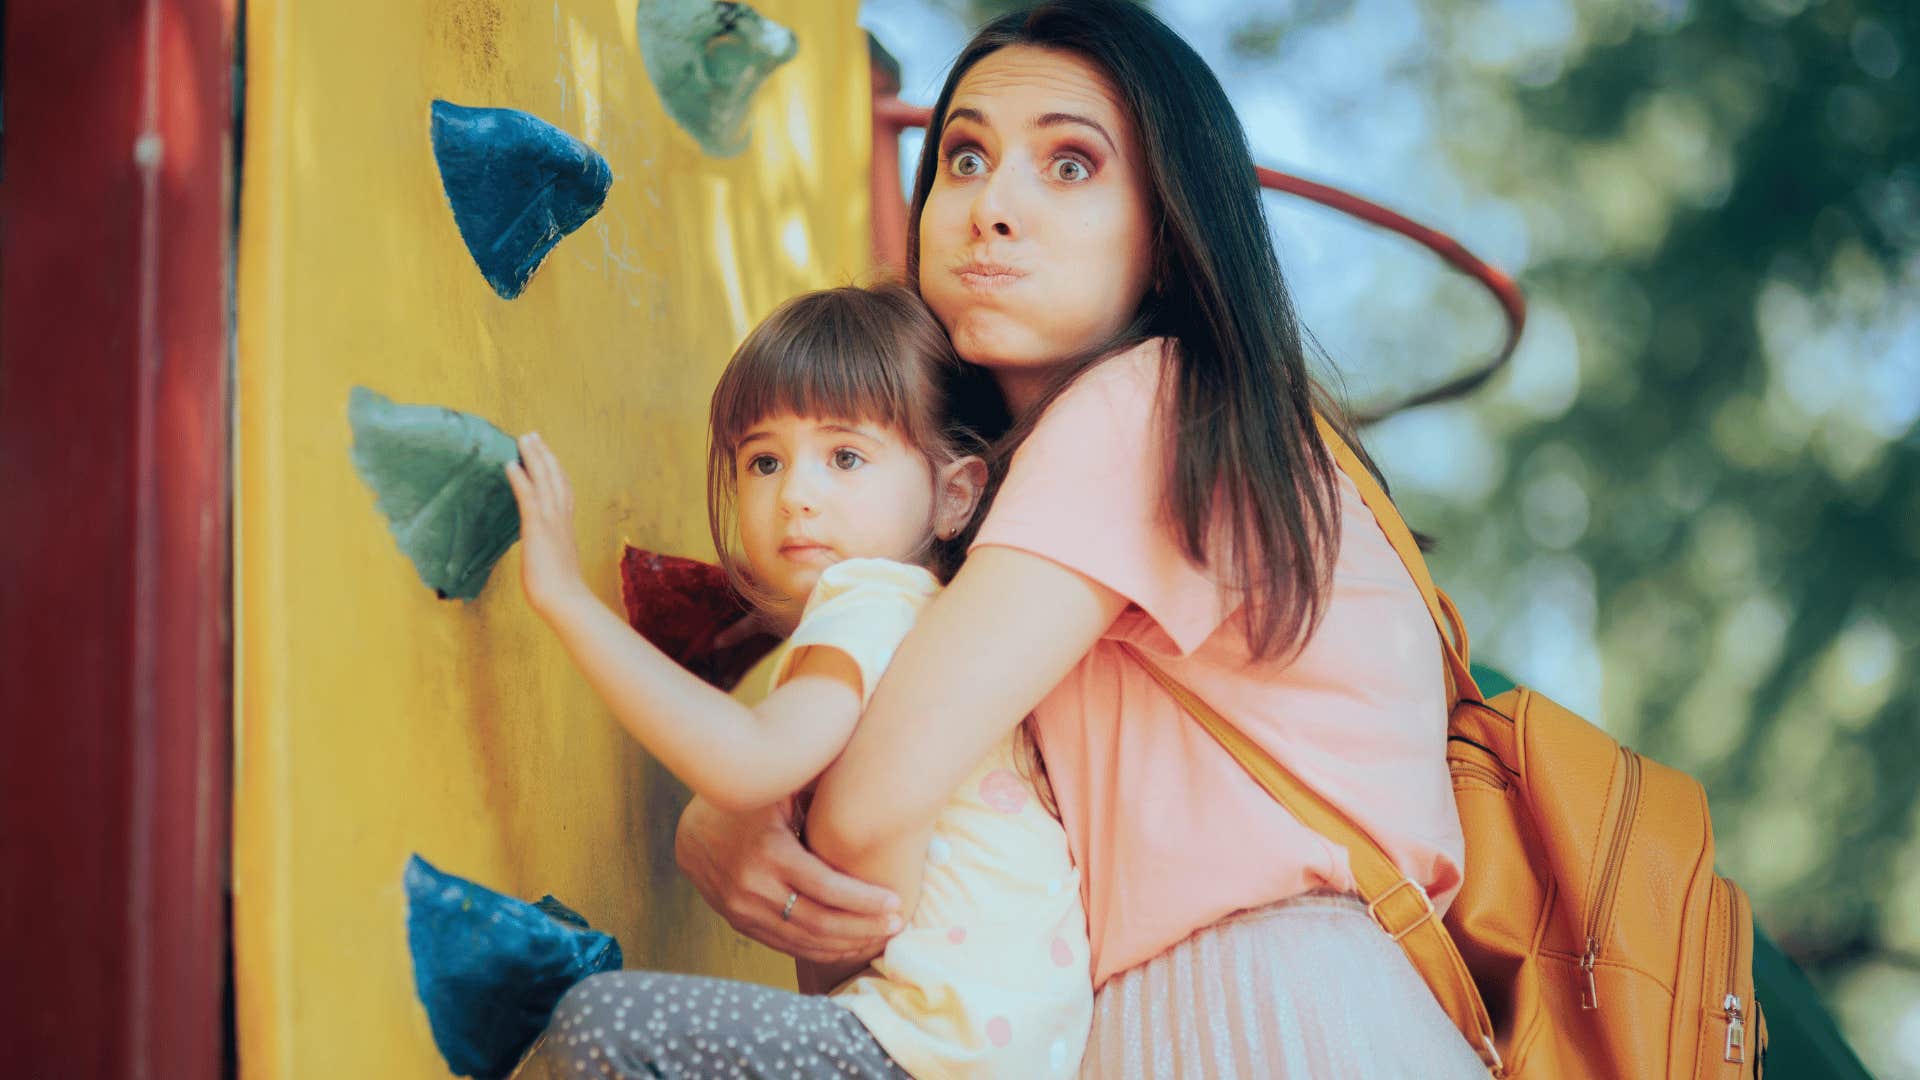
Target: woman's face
{"type": "Point", "coordinates": [1036, 237]}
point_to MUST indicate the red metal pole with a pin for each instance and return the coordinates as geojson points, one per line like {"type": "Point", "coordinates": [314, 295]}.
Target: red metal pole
{"type": "Point", "coordinates": [889, 204]}
{"type": "Point", "coordinates": [114, 555]}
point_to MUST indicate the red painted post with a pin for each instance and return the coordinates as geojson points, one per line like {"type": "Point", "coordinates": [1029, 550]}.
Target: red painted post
{"type": "Point", "coordinates": [115, 643]}
{"type": "Point", "coordinates": [889, 204]}
{"type": "Point", "coordinates": [891, 116]}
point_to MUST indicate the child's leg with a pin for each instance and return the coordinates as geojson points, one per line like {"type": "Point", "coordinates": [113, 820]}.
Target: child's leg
{"type": "Point", "coordinates": [644, 1024]}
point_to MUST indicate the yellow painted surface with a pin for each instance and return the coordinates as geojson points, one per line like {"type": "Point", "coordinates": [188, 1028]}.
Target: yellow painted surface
{"type": "Point", "coordinates": [374, 719]}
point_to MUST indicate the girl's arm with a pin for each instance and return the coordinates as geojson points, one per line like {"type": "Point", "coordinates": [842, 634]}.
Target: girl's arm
{"type": "Point", "coordinates": [984, 653]}
{"type": "Point", "coordinates": [737, 757]}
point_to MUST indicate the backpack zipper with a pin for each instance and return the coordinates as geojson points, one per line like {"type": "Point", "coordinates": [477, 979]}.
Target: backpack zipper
{"type": "Point", "coordinates": [1610, 875]}
{"type": "Point", "coordinates": [1736, 1048]}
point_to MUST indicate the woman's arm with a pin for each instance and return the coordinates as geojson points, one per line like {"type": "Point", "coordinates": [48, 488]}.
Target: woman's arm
{"type": "Point", "coordinates": [747, 865]}
{"type": "Point", "coordinates": [984, 653]}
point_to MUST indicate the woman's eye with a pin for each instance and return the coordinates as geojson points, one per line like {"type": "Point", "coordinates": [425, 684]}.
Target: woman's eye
{"type": "Point", "coordinates": [1070, 170]}
{"type": "Point", "coordinates": [967, 163]}
{"type": "Point", "coordinates": [763, 465]}
{"type": "Point", "coordinates": [847, 460]}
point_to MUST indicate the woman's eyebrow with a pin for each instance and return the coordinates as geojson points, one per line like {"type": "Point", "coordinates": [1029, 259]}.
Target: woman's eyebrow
{"type": "Point", "coordinates": [1047, 120]}
{"type": "Point", "coordinates": [1056, 119]}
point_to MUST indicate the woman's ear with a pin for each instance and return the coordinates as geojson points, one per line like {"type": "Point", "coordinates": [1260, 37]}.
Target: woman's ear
{"type": "Point", "coordinates": [957, 489]}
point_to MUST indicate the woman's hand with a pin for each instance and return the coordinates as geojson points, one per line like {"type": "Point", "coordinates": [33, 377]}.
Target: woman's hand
{"type": "Point", "coordinates": [747, 865]}
{"type": "Point", "coordinates": [549, 555]}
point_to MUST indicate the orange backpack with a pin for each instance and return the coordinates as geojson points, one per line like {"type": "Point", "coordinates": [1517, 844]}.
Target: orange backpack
{"type": "Point", "coordinates": [1592, 937]}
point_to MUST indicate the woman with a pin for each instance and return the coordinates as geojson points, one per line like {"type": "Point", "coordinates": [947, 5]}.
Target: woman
{"type": "Point", "coordinates": [1087, 225]}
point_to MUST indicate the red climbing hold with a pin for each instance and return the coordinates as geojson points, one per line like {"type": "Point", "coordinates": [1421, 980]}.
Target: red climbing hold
{"type": "Point", "coordinates": [683, 606]}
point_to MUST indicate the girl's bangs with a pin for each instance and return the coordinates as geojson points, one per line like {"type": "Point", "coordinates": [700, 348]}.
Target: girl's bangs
{"type": "Point", "coordinates": [812, 374]}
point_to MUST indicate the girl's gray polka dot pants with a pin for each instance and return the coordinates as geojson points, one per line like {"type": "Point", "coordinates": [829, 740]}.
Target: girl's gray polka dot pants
{"type": "Point", "coordinates": [638, 1025]}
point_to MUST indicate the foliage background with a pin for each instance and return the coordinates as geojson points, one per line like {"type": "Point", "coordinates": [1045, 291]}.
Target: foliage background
{"type": "Point", "coordinates": [1691, 508]}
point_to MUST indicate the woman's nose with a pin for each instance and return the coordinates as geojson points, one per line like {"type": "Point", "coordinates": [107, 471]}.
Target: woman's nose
{"type": "Point", "coordinates": [993, 207]}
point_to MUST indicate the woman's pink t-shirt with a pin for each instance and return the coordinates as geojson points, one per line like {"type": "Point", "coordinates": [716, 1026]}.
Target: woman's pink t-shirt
{"type": "Point", "coordinates": [1170, 834]}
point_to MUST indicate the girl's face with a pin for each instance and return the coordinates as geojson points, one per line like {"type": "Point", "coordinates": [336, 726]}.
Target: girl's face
{"type": "Point", "coordinates": [812, 492]}
{"type": "Point", "coordinates": [1036, 239]}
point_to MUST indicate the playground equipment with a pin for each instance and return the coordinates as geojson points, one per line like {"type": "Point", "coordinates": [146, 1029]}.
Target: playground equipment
{"type": "Point", "coordinates": [236, 710]}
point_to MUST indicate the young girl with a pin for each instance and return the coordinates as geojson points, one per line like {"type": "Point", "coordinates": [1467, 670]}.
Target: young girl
{"type": "Point", "coordinates": [837, 478]}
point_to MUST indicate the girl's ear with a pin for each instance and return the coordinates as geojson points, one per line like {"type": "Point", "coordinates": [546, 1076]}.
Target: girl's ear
{"type": "Point", "coordinates": [957, 487]}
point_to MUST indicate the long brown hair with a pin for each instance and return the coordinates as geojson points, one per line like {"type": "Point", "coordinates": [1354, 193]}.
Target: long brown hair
{"type": "Point", "coordinates": [1252, 488]}
{"type": "Point", "coordinates": [873, 354]}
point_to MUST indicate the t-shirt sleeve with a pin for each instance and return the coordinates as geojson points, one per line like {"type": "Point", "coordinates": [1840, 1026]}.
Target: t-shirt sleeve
{"type": "Point", "coordinates": [863, 608]}
{"type": "Point", "coordinates": [1086, 490]}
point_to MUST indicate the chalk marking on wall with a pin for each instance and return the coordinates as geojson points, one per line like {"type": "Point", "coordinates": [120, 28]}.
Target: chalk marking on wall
{"type": "Point", "coordinates": [583, 62]}
{"type": "Point", "coordinates": [621, 263]}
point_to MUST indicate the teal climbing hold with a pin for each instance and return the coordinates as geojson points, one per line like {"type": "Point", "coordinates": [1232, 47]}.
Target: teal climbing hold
{"type": "Point", "coordinates": [439, 477]}
{"type": "Point", "coordinates": [706, 59]}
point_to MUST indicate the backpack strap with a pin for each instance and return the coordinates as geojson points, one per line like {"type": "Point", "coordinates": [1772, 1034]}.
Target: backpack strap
{"type": "Point", "coordinates": [1446, 618]}
{"type": "Point", "coordinates": [1398, 904]}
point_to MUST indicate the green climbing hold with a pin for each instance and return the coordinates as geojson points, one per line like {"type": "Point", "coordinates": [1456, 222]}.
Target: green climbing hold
{"type": "Point", "coordinates": [439, 476]}
{"type": "Point", "coordinates": [706, 59]}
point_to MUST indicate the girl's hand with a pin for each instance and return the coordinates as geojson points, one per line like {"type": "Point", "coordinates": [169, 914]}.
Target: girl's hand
{"type": "Point", "coordinates": [746, 866]}
{"type": "Point", "coordinates": [549, 556]}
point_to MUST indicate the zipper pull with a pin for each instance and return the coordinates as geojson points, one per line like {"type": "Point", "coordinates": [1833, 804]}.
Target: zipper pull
{"type": "Point", "coordinates": [1736, 1031]}
{"type": "Point", "coordinates": [1590, 997]}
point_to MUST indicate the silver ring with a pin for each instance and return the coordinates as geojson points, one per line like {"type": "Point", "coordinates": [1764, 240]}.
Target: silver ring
{"type": "Point", "coordinates": [786, 913]}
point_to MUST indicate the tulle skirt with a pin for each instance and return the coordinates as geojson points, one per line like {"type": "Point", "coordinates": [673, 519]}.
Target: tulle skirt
{"type": "Point", "coordinates": [1308, 987]}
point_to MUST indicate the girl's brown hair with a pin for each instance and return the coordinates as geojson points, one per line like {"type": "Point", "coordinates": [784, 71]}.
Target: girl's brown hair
{"type": "Point", "coordinates": [873, 354]}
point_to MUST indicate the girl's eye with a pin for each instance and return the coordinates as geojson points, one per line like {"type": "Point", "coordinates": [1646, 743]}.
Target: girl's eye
{"type": "Point", "coordinates": [847, 459]}
{"type": "Point", "coordinates": [1069, 170]}
{"type": "Point", "coordinates": [763, 465]}
{"type": "Point", "coordinates": [967, 163]}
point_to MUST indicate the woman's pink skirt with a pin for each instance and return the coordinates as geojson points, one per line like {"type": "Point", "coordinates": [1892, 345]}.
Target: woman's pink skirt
{"type": "Point", "coordinates": [1307, 987]}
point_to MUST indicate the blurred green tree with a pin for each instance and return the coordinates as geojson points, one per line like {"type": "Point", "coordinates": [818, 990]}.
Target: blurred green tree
{"type": "Point", "coordinates": [1724, 199]}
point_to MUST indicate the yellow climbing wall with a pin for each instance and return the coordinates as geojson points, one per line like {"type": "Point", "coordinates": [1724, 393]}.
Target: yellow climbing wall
{"type": "Point", "coordinates": [375, 720]}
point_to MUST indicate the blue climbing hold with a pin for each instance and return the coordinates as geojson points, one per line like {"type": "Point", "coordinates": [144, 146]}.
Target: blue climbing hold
{"type": "Point", "coordinates": [517, 184]}
{"type": "Point", "coordinates": [490, 969]}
